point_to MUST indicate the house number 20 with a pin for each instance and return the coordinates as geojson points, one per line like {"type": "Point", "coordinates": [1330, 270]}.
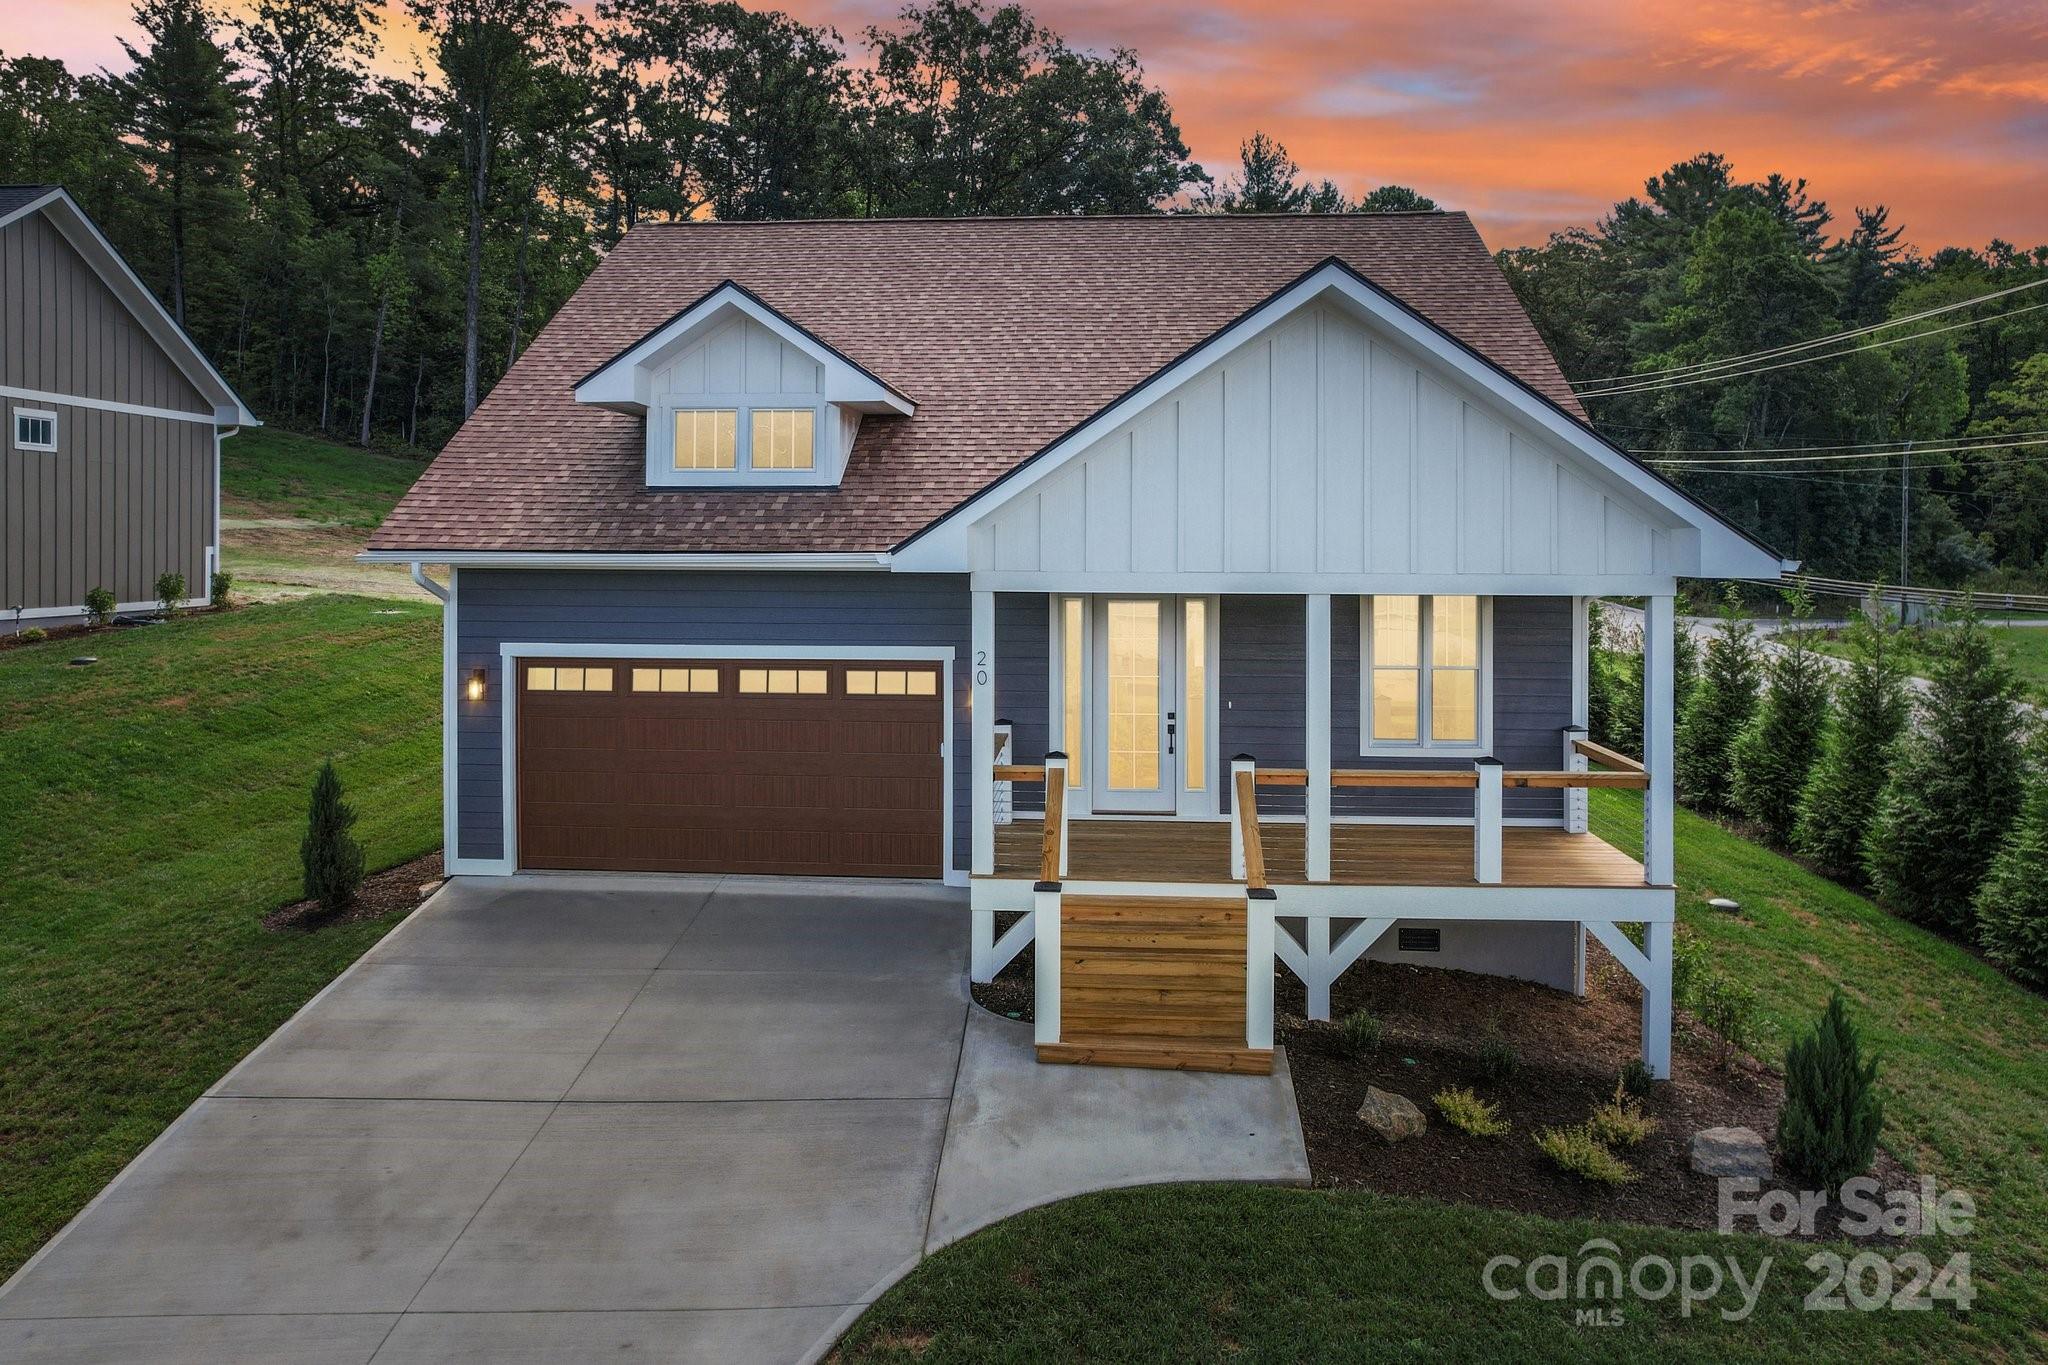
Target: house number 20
{"type": "Point", "coordinates": [981, 668]}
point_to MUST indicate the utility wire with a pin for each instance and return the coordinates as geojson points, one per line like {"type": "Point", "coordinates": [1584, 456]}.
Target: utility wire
{"type": "Point", "coordinates": [1684, 383]}
{"type": "Point", "coordinates": [1850, 445]}
{"type": "Point", "coordinates": [1683, 462]}
{"type": "Point", "coordinates": [1808, 345]}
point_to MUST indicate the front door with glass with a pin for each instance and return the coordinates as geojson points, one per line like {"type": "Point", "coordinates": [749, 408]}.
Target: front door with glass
{"type": "Point", "coordinates": [1135, 702]}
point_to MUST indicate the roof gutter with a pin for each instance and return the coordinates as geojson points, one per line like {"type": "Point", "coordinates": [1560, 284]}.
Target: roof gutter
{"type": "Point", "coordinates": [873, 561]}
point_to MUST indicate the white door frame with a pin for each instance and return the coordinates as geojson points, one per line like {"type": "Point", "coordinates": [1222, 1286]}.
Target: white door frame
{"type": "Point", "coordinates": [1089, 757]}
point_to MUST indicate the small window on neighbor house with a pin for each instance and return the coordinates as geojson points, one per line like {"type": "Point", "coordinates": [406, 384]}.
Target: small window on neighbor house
{"type": "Point", "coordinates": [675, 680]}
{"type": "Point", "coordinates": [783, 438]}
{"type": "Point", "coordinates": [706, 438]}
{"type": "Point", "coordinates": [783, 682]}
{"type": "Point", "coordinates": [34, 429]}
{"type": "Point", "coordinates": [542, 678]}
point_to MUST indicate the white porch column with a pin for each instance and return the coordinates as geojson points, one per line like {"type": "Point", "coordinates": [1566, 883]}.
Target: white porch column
{"type": "Point", "coordinates": [1659, 742]}
{"type": "Point", "coordinates": [1060, 763]}
{"type": "Point", "coordinates": [1241, 764]}
{"type": "Point", "coordinates": [1258, 968]}
{"type": "Point", "coordinates": [1657, 998]}
{"type": "Point", "coordinates": [1574, 797]}
{"type": "Point", "coordinates": [981, 701]}
{"type": "Point", "coordinates": [1486, 822]}
{"type": "Point", "coordinates": [1045, 980]}
{"type": "Point", "coordinates": [1318, 737]}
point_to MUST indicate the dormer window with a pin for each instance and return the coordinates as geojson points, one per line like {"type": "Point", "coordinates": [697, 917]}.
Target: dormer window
{"type": "Point", "coordinates": [734, 395]}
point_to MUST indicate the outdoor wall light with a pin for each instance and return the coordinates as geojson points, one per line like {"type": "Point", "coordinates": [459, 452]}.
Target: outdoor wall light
{"type": "Point", "coordinates": [476, 684]}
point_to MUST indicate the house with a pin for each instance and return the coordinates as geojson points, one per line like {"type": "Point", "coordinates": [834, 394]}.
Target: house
{"type": "Point", "coordinates": [1201, 592]}
{"type": "Point", "coordinates": [113, 422]}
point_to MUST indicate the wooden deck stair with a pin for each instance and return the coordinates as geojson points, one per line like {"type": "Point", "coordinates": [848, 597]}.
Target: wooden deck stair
{"type": "Point", "coordinates": [1154, 981]}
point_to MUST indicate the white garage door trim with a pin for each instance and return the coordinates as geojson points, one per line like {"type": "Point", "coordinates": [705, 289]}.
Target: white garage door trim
{"type": "Point", "coordinates": [508, 718]}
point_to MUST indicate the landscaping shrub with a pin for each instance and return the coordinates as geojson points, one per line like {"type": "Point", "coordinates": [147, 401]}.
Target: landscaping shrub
{"type": "Point", "coordinates": [1955, 788]}
{"type": "Point", "coordinates": [1635, 1078]}
{"type": "Point", "coordinates": [1827, 1130]}
{"type": "Point", "coordinates": [332, 858]}
{"type": "Point", "coordinates": [1467, 1113]}
{"type": "Point", "coordinates": [170, 590]}
{"type": "Point", "coordinates": [1598, 720]}
{"type": "Point", "coordinates": [1857, 749]}
{"type": "Point", "coordinates": [1578, 1152]}
{"type": "Point", "coordinates": [2012, 905]}
{"type": "Point", "coordinates": [1717, 711]}
{"type": "Point", "coordinates": [31, 635]}
{"type": "Point", "coordinates": [99, 606]}
{"type": "Point", "coordinates": [217, 590]}
{"type": "Point", "coordinates": [1724, 1006]}
{"type": "Point", "coordinates": [1498, 1061]}
{"type": "Point", "coordinates": [1621, 1121]}
{"type": "Point", "coordinates": [1360, 1031]}
{"type": "Point", "coordinates": [1774, 755]}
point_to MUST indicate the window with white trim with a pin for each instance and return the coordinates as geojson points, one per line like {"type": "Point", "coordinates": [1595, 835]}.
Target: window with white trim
{"type": "Point", "coordinates": [1425, 675]}
{"type": "Point", "coordinates": [723, 435]}
{"type": "Point", "coordinates": [35, 429]}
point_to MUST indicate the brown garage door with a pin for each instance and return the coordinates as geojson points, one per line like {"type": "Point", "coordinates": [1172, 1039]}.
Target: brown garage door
{"type": "Point", "coordinates": [821, 768]}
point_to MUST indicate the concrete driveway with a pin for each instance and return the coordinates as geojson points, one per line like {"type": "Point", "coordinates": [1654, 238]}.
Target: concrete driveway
{"type": "Point", "coordinates": [556, 1119]}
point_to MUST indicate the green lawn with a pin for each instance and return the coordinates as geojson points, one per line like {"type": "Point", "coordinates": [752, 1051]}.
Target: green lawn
{"type": "Point", "coordinates": [282, 474]}
{"type": "Point", "coordinates": [150, 813]}
{"type": "Point", "coordinates": [1204, 1272]}
{"type": "Point", "coordinates": [2025, 646]}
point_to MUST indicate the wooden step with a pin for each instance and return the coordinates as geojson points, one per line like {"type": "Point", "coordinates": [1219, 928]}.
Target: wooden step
{"type": "Point", "coordinates": [1139, 969]}
{"type": "Point", "coordinates": [1163, 909]}
{"type": "Point", "coordinates": [1158, 1054]}
{"type": "Point", "coordinates": [1170, 995]}
{"type": "Point", "coordinates": [1148, 937]}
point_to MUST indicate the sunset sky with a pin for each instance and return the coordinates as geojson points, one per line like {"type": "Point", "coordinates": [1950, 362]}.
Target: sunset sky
{"type": "Point", "coordinates": [1538, 116]}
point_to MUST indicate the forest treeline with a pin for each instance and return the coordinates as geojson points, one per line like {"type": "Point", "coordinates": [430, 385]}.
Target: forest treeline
{"type": "Point", "coordinates": [365, 254]}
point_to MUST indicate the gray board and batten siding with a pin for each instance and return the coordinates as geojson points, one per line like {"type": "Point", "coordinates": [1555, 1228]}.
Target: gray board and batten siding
{"type": "Point", "coordinates": [1261, 684]}
{"type": "Point", "coordinates": [124, 496]}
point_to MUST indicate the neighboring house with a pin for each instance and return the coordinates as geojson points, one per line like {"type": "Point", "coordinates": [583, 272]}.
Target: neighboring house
{"type": "Point", "coordinates": [779, 530]}
{"type": "Point", "coordinates": [112, 422]}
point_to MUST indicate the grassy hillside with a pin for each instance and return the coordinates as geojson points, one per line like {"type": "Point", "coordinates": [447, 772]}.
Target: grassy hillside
{"type": "Point", "coordinates": [1294, 1275]}
{"type": "Point", "coordinates": [270, 473]}
{"type": "Point", "coordinates": [153, 809]}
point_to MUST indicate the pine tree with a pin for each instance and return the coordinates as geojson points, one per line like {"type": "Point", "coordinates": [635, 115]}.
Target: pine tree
{"type": "Point", "coordinates": [332, 858]}
{"type": "Point", "coordinates": [1857, 750]}
{"type": "Point", "coordinates": [2012, 905]}
{"type": "Point", "coordinates": [1827, 1130]}
{"type": "Point", "coordinates": [1955, 789]}
{"type": "Point", "coordinates": [1776, 753]}
{"type": "Point", "coordinates": [1716, 713]}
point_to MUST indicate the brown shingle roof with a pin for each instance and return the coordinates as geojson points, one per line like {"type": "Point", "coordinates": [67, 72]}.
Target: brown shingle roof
{"type": "Point", "coordinates": [1006, 332]}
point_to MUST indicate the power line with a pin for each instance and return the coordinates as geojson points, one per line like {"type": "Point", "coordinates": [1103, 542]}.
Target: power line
{"type": "Point", "coordinates": [1809, 345]}
{"type": "Point", "coordinates": [1684, 383]}
{"type": "Point", "coordinates": [1685, 463]}
{"type": "Point", "coordinates": [1849, 445]}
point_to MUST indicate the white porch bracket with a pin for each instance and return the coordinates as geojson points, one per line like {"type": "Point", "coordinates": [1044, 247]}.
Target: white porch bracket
{"type": "Point", "coordinates": [1321, 960]}
{"type": "Point", "coordinates": [991, 954]}
{"type": "Point", "coordinates": [1651, 966]}
{"type": "Point", "coordinates": [1317, 711]}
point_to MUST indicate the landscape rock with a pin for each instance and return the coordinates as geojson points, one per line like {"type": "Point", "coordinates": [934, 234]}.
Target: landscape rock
{"type": "Point", "coordinates": [1393, 1117]}
{"type": "Point", "coordinates": [429, 888]}
{"type": "Point", "coordinates": [1731, 1152]}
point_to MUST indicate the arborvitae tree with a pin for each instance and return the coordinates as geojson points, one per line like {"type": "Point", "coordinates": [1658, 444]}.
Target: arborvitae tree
{"type": "Point", "coordinates": [1857, 750]}
{"type": "Point", "coordinates": [1774, 756]}
{"type": "Point", "coordinates": [2012, 905]}
{"type": "Point", "coordinates": [1955, 789]}
{"type": "Point", "coordinates": [332, 858]}
{"type": "Point", "coordinates": [1828, 1129]}
{"type": "Point", "coordinates": [1716, 713]}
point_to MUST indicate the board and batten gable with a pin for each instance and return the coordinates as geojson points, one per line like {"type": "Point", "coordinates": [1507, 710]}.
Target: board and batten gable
{"type": "Point", "coordinates": [127, 495]}
{"type": "Point", "coordinates": [1321, 447]}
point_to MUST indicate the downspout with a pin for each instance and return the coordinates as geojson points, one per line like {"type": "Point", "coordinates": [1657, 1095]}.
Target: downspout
{"type": "Point", "coordinates": [213, 552]}
{"type": "Point", "coordinates": [419, 576]}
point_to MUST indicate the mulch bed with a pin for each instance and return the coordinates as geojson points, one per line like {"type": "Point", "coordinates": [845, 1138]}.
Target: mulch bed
{"type": "Point", "coordinates": [84, 628]}
{"type": "Point", "coordinates": [382, 893]}
{"type": "Point", "coordinates": [1434, 1023]}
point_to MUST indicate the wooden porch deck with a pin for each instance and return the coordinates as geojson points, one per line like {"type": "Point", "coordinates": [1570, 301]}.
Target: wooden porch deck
{"type": "Point", "coordinates": [1360, 855]}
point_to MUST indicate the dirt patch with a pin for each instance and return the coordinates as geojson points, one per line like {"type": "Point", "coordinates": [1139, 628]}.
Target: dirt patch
{"type": "Point", "coordinates": [283, 558]}
{"type": "Point", "coordinates": [1570, 1052]}
{"type": "Point", "coordinates": [394, 889]}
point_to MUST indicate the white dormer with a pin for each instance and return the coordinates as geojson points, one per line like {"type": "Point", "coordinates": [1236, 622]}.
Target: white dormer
{"type": "Point", "coordinates": [735, 395]}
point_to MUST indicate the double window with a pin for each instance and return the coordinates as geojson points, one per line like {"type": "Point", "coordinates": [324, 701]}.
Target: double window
{"type": "Point", "coordinates": [1424, 675]}
{"type": "Point", "coordinates": [708, 439]}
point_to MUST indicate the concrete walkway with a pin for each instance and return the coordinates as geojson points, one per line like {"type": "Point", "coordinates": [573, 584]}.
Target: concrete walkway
{"type": "Point", "coordinates": [559, 1118]}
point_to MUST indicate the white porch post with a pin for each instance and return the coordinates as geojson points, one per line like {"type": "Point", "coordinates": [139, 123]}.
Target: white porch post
{"type": "Point", "coordinates": [981, 703]}
{"type": "Point", "coordinates": [1574, 797]}
{"type": "Point", "coordinates": [1060, 763]}
{"type": "Point", "coordinates": [1045, 980]}
{"type": "Point", "coordinates": [1659, 745]}
{"type": "Point", "coordinates": [1486, 822]}
{"type": "Point", "coordinates": [1320, 976]}
{"type": "Point", "coordinates": [1657, 999]}
{"type": "Point", "coordinates": [1258, 969]}
{"type": "Point", "coordinates": [1241, 764]}
{"type": "Point", "coordinates": [1318, 737]}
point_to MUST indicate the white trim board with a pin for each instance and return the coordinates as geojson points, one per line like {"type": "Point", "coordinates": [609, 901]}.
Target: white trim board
{"type": "Point", "coordinates": [1701, 544]}
{"type": "Point", "coordinates": [508, 716]}
{"type": "Point", "coordinates": [104, 405]}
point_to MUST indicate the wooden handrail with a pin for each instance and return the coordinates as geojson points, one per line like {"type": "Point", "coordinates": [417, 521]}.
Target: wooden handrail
{"type": "Point", "coordinates": [1248, 822]}
{"type": "Point", "coordinates": [1606, 757]}
{"type": "Point", "coordinates": [1638, 778]}
{"type": "Point", "coordinates": [1055, 807]}
{"type": "Point", "coordinates": [1018, 772]}
{"type": "Point", "coordinates": [1403, 777]}
{"type": "Point", "coordinates": [1282, 777]}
